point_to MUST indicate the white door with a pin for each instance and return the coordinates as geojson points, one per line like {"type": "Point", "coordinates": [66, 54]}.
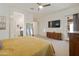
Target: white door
{"type": "Point", "coordinates": [35, 27]}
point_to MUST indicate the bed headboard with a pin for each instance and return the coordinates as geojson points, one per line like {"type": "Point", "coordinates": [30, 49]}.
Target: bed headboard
{"type": "Point", "coordinates": [54, 35]}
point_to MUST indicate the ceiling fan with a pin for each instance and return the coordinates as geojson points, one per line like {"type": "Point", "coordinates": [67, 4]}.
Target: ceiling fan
{"type": "Point", "coordinates": [42, 5]}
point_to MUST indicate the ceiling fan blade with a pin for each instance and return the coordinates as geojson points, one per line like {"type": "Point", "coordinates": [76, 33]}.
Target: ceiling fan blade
{"type": "Point", "coordinates": [39, 3]}
{"type": "Point", "coordinates": [46, 5]}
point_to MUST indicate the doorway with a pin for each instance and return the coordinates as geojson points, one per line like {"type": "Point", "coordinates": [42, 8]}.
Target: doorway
{"type": "Point", "coordinates": [29, 29]}
{"type": "Point", "coordinates": [16, 24]}
{"type": "Point", "coordinates": [70, 23]}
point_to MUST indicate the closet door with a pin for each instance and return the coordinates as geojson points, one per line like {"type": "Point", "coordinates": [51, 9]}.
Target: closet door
{"type": "Point", "coordinates": [35, 28]}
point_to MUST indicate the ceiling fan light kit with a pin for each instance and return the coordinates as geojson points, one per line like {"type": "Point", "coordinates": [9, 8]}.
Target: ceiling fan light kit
{"type": "Point", "coordinates": [40, 7]}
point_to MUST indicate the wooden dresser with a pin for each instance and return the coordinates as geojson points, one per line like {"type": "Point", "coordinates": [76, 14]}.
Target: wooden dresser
{"type": "Point", "coordinates": [74, 44]}
{"type": "Point", "coordinates": [54, 35]}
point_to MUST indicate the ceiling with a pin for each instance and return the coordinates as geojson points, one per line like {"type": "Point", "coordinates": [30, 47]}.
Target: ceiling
{"type": "Point", "coordinates": [33, 7]}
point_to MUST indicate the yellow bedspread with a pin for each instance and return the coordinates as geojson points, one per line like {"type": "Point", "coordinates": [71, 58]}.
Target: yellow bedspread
{"type": "Point", "coordinates": [26, 46]}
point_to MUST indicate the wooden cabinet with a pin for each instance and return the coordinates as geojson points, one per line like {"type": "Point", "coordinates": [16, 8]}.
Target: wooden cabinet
{"type": "Point", "coordinates": [54, 35]}
{"type": "Point", "coordinates": [74, 44]}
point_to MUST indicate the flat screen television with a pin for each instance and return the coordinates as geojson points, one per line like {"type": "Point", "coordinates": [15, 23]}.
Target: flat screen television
{"type": "Point", "coordinates": [54, 24]}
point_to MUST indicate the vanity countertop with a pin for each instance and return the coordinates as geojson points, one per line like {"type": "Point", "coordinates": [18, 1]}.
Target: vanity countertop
{"type": "Point", "coordinates": [74, 32]}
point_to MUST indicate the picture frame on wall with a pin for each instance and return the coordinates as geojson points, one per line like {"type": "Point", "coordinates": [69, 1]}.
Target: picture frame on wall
{"type": "Point", "coordinates": [2, 22]}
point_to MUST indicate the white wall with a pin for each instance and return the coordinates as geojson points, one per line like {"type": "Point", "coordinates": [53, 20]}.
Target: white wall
{"type": "Point", "coordinates": [60, 15]}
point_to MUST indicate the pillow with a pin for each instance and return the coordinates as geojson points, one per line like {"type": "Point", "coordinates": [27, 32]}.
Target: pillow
{"type": "Point", "coordinates": [1, 45]}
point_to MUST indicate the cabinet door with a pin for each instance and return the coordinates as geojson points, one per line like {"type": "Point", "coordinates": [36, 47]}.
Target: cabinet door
{"type": "Point", "coordinates": [76, 47]}
{"type": "Point", "coordinates": [71, 48]}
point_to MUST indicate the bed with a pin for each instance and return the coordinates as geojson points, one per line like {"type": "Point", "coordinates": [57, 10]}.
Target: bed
{"type": "Point", "coordinates": [26, 46]}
